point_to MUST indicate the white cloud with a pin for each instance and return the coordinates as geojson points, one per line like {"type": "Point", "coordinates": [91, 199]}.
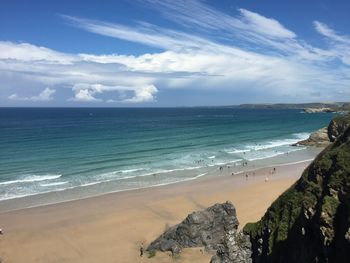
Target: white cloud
{"type": "Point", "coordinates": [339, 45]}
{"type": "Point", "coordinates": [45, 95]}
{"type": "Point", "coordinates": [266, 26]}
{"type": "Point", "coordinates": [28, 52]}
{"type": "Point", "coordinates": [143, 33]}
{"type": "Point", "coordinates": [86, 93]}
{"type": "Point", "coordinates": [281, 65]}
{"type": "Point", "coordinates": [145, 94]}
{"type": "Point", "coordinates": [330, 33]}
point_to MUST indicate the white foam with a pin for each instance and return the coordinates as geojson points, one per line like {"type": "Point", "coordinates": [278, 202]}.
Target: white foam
{"type": "Point", "coordinates": [211, 157]}
{"type": "Point", "coordinates": [32, 178]}
{"type": "Point", "coordinates": [279, 143]}
{"type": "Point", "coordinates": [238, 151]}
{"type": "Point", "coordinates": [265, 157]}
{"type": "Point", "coordinates": [132, 170]}
{"type": "Point", "coordinates": [53, 184]}
{"type": "Point", "coordinates": [199, 175]}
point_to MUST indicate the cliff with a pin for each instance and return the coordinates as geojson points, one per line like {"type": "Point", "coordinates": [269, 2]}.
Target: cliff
{"type": "Point", "coordinates": [326, 135]}
{"type": "Point", "coordinates": [318, 138]}
{"type": "Point", "coordinates": [310, 222]}
{"type": "Point", "coordinates": [337, 126]}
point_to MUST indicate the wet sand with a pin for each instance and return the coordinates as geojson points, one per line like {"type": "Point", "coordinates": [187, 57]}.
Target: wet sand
{"type": "Point", "coordinates": [110, 228]}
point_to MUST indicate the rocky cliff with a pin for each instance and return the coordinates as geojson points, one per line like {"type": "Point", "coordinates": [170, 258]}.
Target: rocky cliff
{"type": "Point", "coordinates": [326, 135]}
{"type": "Point", "coordinates": [337, 126]}
{"type": "Point", "coordinates": [318, 138]}
{"type": "Point", "coordinates": [310, 222]}
{"type": "Point", "coordinates": [214, 228]}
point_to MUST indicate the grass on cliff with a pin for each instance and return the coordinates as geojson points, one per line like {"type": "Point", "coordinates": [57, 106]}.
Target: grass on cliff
{"type": "Point", "coordinates": [316, 189]}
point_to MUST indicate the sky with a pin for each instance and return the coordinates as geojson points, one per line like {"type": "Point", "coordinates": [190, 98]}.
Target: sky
{"type": "Point", "coordinates": [163, 53]}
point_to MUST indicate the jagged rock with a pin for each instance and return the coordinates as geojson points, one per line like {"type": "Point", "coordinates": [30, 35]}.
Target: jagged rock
{"type": "Point", "coordinates": [324, 136]}
{"type": "Point", "coordinates": [213, 228]}
{"type": "Point", "coordinates": [318, 139]}
{"type": "Point", "coordinates": [236, 249]}
{"type": "Point", "coordinates": [309, 222]}
{"type": "Point", "coordinates": [337, 126]}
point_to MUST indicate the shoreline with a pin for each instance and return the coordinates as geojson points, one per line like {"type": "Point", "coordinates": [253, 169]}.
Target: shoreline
{"type": "Point", "coordinates": [14, 204]}
{"type": "Point", "coordinates": [111, 227]}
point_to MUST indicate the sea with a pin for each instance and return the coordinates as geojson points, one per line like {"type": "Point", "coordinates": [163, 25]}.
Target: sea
{"type": "Point", "coordinates": [50, 155]}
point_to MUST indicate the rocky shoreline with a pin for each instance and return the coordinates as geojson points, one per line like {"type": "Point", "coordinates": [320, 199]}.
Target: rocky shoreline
{"type": "Point", "coordinates": [324, 136]}
{"type": "Point", "coordinates": [307, 223]}
{"type": "Point", "coordinates": [318, 110]}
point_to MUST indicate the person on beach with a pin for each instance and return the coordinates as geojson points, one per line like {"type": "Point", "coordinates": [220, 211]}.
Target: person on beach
{"type": "Point", "coordinates": [266, 179]}
{"type": "Point", "coordinates": [246, 176]}
{"type": "Point", "coordinates": [141, 250]}
{"type": "Point", "coordinates": [1, 233]}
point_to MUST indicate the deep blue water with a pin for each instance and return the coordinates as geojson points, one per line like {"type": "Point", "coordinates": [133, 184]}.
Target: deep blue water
{"type": "Point", "coordinates": [47, 149]}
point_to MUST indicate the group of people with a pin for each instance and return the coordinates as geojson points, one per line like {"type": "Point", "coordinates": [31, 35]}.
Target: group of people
{"type": "Point", "coordinates": [273, 171]}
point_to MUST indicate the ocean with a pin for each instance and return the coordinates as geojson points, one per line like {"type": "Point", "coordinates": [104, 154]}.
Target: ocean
{"type": "Point", "coordinates": [58, 154]}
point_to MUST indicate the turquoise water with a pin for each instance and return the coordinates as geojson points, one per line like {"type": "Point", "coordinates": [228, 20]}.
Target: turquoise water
{"type": "Point", "coordinates": [49, 150]}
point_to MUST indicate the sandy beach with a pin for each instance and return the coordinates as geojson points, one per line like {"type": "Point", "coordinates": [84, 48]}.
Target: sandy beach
{"type": "Point", "coordinates": [110, 228]}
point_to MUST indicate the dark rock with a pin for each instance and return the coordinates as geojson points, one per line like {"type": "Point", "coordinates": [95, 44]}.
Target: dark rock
{"type": "Point", "coordinates": [213, 228]}
{"type": "Point", "coordinates": [337, 126]}
{"type": "Point", "coordinates": [309, 222]}
{"type": "Point", "coordinates": [235, 249]}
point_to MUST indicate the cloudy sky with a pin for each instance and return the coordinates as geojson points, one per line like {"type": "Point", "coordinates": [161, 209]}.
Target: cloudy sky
{"type": "Point", "coordinates": [173, 53]}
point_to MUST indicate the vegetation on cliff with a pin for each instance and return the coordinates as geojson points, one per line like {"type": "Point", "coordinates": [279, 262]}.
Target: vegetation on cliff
{"type": "Point", "coordinates": [310, 222]}
{"type": "Point", "coordinates": [337, 126]}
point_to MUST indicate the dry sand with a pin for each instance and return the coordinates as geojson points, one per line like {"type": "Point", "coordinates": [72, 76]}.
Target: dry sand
{"type": "Point", "coordinates": [110, 228]}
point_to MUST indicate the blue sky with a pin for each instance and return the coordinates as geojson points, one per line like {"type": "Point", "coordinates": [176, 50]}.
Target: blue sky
{"type": "Point", "coordinates": [173, 53]}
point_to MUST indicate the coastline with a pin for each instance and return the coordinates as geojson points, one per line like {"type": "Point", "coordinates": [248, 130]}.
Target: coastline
{"type": "Point", "coordinates": [183, 175]}
{"type": "Point", "coordinates": [110, 227]}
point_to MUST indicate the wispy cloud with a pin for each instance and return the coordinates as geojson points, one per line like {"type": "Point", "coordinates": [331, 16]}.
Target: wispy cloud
{"type": "Point", "coordinates": [339, 45]}
{"type": "Point", "coordinates": [330, 33]}
{"type": "Point", "coordinates": [253, 54]}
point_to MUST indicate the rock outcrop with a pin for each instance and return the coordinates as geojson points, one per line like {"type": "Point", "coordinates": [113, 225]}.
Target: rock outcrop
{"type": "Point", "coordinates": [337, 126]}
{"type": "Point", "coordinates": [310, 222]}
{"type": "Point", "coordinates": [318, 110]}
{"type": "Point", "coordinates": [326, 135]}
{"type": "Point", "coordinates": [318, 138]}
{"type": "Point", "coordinates": [235, 249]}
{"type": "Point", "coordinates": [214, 228]}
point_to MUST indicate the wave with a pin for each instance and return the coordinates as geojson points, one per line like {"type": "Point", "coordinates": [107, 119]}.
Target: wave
{"type": "Point", "coordinates": [32, 178]}
{"type": "Point", "coordinates": [261, 151]}
{"type": "Point", "coordinates": [54, 184]}
{"type": "Point", "coordinates": [274, 154]}
{"type": "Point", "coordinates": [132, 170]}
{"type": "Point", "coordinates": [238, 151]}
{"type": "Point", "coordinates": [272, 144]}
